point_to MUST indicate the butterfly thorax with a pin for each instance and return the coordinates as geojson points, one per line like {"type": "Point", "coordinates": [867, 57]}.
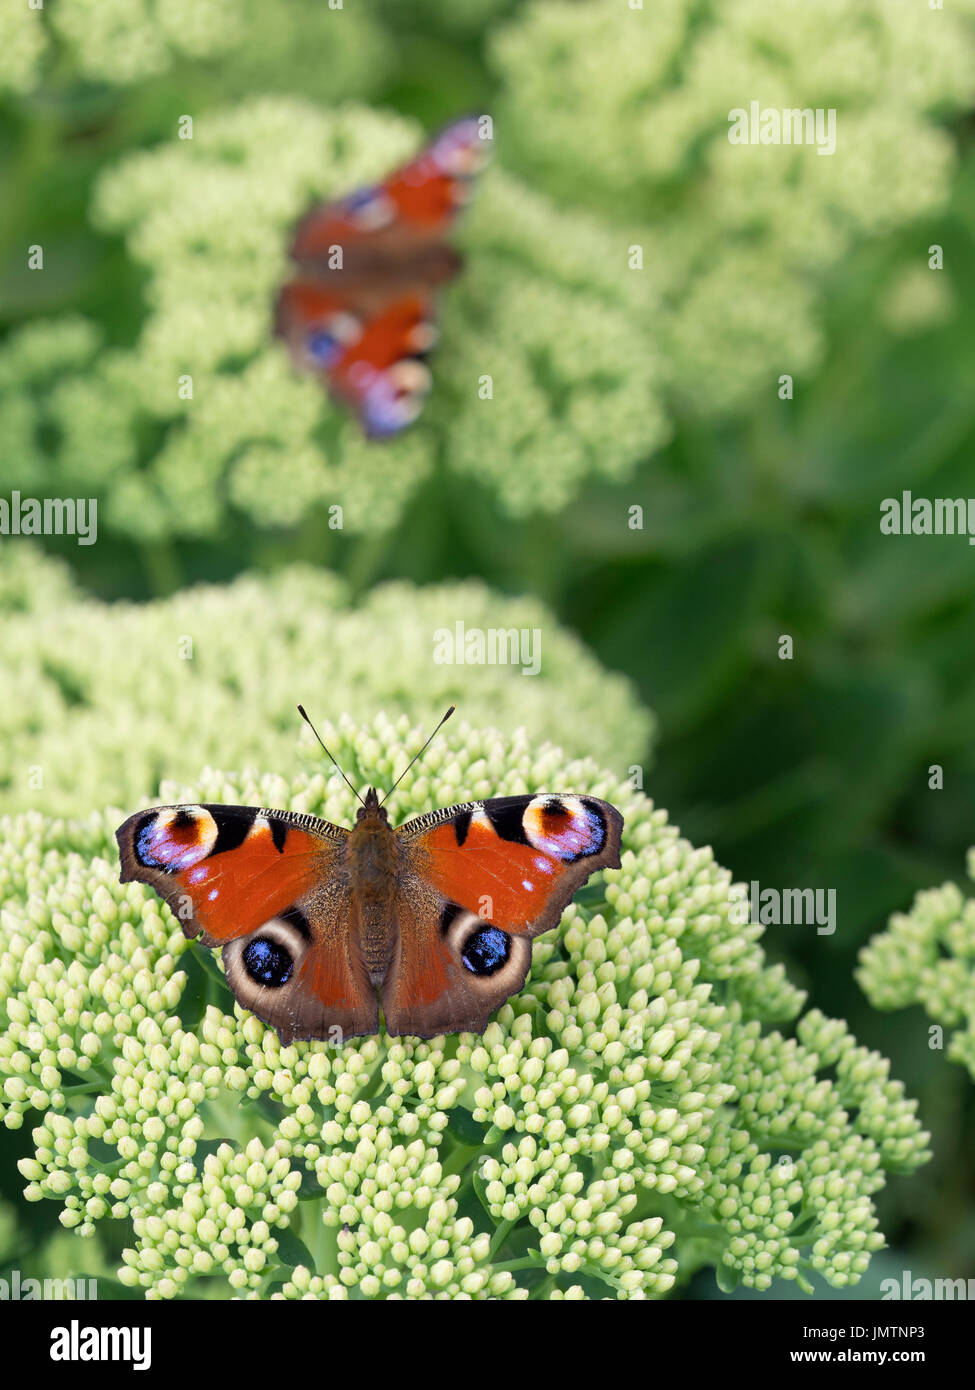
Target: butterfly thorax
{"type": "Point", "coordinates": [373, 860]}
{"type": "Point", "coordinates": [395, 270]}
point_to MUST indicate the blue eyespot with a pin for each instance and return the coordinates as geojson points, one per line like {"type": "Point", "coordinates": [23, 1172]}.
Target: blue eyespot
{"type": "Point", "coordinates": [144, 848]}
{"type": "Point", "coordinates": [267, 962]}
{"type": "Point", "coordinates": [486, 951]}
{"type": "Point", "coordinates": [323, 348]}
{"type": "Point", "coordinates": [355, 202]}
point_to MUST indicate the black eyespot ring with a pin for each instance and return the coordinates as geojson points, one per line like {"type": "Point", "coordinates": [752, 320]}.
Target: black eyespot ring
{"type": "Point", "coordinates": [267, 962]}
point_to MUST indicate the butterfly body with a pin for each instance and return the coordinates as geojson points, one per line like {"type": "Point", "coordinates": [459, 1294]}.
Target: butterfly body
{"type": "Point", "coordinates": [318, 923]}
{"type": "Point", "coordinates": [359, 311]}
{"type": "Point", "coordinates": [376, 873]}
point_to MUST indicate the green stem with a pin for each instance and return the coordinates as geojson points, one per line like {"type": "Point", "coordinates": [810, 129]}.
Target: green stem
{"type": "Point", "coordinates": [163, 568]}
{"type": "Point", "coordinates": [525, 1262]}
{"type": "Point", "coordinates": [499, 1238]}
{"type": "Point", "coordinates": [86, 1088]}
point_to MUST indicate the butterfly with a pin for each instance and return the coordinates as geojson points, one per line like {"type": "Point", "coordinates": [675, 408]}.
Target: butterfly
{"type": "Point", "coordinates": [319, 923]}
{"type": "Point", "coordinates": [360, 310]}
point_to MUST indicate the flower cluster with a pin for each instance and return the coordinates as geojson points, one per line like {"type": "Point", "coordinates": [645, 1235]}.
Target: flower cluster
{"type": "Point", "coordinates": [101, 700]}
{"type": "Point", "coordinates": [262, 43]}
{"type": "Point", "coordinates": [741, 236]}
{"type": "Point", "coordinates": [22, 47]}
{"type": "Point", "coordinates": [245, 45]}
{"type": "Point", "coordinates": [630, 1117]}
{"type": "Point", "coordinates": [125, 42]}
{"type": "Point", "coordinates": [927, 957]}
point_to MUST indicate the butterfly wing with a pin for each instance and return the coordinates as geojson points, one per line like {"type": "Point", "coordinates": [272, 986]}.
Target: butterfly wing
{"type": "Point", "coordinates": [361, 311]}
{"type": "Point", "coordinates": [374, 364]}
{"type": "Point", "coordinates": [484, 879]}
{"type": "Point", "coordinates": [419, 200]}
{"type": "Point", "coordinates": [269, 887]}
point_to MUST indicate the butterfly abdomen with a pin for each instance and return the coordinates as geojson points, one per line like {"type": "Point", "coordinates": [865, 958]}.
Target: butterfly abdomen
{"type": "Point", "coordinates": [373, 856]}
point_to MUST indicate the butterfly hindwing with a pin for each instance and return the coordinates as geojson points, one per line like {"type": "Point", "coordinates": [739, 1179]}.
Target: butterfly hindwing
{"type": "Point", "coordinates": [375, 365]}
{"type": "Point", "coordinates": [262, 885]}
{"type": "Point", "coordinates": [451, 970]}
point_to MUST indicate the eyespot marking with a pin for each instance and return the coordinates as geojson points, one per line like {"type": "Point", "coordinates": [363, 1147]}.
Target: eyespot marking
{"type": "Point", "coordinates": [297, 919]}
{"type": "Point", "coordinates": [175, 839]}
{"type": "Point", "coordinates": [391, 399]}
{"type": "Point", "coordinates": [269, 958]}
{"type": "Point", "coordinates": [488, 957]}
{"type": "Point", "coordinates": [410, 377]}
{"type": "Point", "coordinates": [322, 349]}
{"type": "Point", "coordinates": [267, 962]}
{"type": "Point", "coordinates": [448, 913]}
{"type": "Point", "coordinates": [486, 950]}
{"type": "Point", "coordinates": [369, 209]}
{"type": "Point", "coordinates": [459, 150]}
{"type": "Point", "coordinates": [568, 827]}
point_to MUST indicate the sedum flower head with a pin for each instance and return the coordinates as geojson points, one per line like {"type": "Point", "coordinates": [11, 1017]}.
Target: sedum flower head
{"type": "Point", "coordinates": [131, 40]}
{"type": "Point", "coordinates": [101, 700]}
{"type": "Point", "coordinates": [22, 46]}
{"type": "Point", "coordinates": [927, 957]}
{"type": "Point", "coordinates": [631, 1116]}
{"type": "Point", "coordinates": [740, 237]}
{"type": "Point", "coordinates": [245, 45]}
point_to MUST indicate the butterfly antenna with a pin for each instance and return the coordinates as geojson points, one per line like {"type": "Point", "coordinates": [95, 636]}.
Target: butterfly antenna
{"type": "Point", "coordinates": [301, 711]}
{"type": "Point", "coordinates": [421, 752]}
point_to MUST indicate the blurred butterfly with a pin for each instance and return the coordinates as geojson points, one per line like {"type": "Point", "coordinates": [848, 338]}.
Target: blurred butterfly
{"type": "Point", "coordinates": [360, 309]}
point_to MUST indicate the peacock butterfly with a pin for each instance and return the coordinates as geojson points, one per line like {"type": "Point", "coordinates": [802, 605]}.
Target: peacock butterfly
{"type": "Point", "coordinates": [359, 311]}
{"type": "Point", "coordinates": [319, 924]}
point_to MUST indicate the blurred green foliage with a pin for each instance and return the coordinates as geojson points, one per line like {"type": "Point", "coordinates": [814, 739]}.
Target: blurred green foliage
{"type": "Point", "coordinates": [760, 515]}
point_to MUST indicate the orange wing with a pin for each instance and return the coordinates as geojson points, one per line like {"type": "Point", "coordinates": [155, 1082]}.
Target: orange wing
{"type": "Point", "coordinates": [421, 197]}
{"type": "Point", "coordinates": [373, 364]}
{"type": "Point", "coordinates": [516, 860]}
{"type": "Point", "coordinates": [451, 970]}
